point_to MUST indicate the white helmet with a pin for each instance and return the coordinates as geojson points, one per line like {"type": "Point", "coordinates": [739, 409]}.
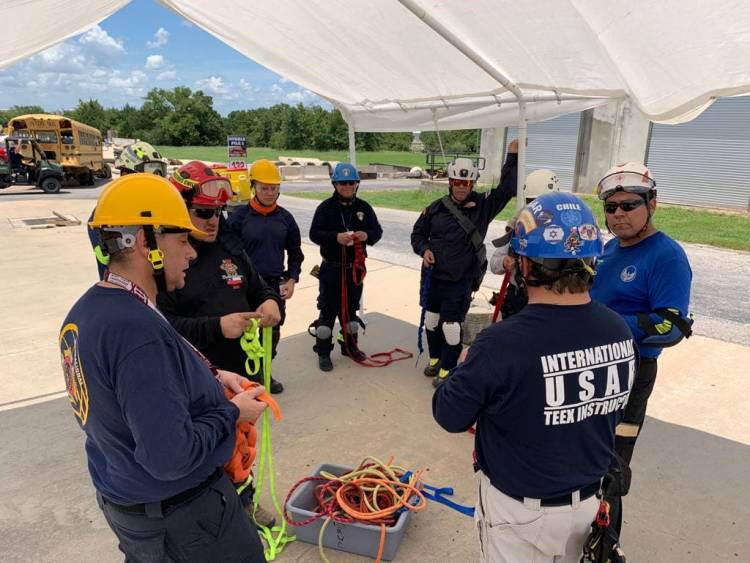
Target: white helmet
{"type": "Point", "coordinates": [631, 177]}
{"type": "Point", "coordinates": [463, 169]}
{"type": "Point", "coordinates": [540, 182]}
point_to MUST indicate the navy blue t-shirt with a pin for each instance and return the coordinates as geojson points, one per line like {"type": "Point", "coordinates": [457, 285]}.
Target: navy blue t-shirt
{"type": "Point", "coordinates": [546, 388]}
{"type": "Point", "coordinates": [156, 420]}
{"type": "Point", "coordinates": [653, 274]}
{"type": "Point", "coordinates": [266, 238]}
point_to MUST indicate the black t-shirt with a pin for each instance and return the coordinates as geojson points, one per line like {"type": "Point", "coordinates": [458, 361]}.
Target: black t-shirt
{"type": "Point", "coordinates": [546, 388]}
{"type": "Point", "coordinates": [220, 281]}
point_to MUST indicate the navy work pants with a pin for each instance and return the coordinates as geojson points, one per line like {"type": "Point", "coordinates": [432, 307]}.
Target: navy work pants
{"type": "Point", "coordinates": [329, 301]}
{"type": "Point", "coordinates": [450, 300]}
{"type": "Point", "coordinates": [212, 526]}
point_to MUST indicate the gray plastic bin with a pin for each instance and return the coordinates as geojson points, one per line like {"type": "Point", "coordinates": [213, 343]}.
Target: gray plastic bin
{"type": "Point", "coordinates": [362, 539]}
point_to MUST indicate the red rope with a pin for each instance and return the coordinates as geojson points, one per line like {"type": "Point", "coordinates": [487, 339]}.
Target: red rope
{"type": "Point", "coordinates": [359, 271]}
{"type": "Point", "coordinates": [501, 296]}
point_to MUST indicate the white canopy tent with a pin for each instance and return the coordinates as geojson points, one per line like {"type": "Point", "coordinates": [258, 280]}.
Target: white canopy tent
{"type": "Point", "coordinates": [405, 65]}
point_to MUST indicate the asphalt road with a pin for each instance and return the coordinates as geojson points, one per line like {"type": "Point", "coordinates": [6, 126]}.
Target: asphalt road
{"type": "Point", "coordinates": [74, 191]}
{"type": "Point", "coordinates": [720, 297]}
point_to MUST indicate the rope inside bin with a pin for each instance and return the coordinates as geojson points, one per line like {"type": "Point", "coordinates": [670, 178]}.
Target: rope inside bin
{"type": "Point", "coordinates": [373, 494]}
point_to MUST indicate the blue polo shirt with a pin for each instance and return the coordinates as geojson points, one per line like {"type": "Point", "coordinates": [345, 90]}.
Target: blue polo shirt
{"type": "Point", "coordinates": [650, 275]}
{"type": "Point", "coordinates": [156, 420]}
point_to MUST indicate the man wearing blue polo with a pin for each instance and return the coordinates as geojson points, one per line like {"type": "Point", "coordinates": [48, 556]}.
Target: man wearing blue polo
{"type": "Point", "coordinates": [644, 276]}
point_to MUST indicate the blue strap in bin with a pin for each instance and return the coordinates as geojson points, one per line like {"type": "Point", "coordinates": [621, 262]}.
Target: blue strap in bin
{"type": "Point", "coordinates": [435, 494]}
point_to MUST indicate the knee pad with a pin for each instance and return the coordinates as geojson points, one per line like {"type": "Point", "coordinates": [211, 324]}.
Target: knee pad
{"type": "Point", "coordinates": [352, 327]}
{"type": "Point", "coordinates": [452, 333]}
{"type": "Point", "coordinates": [323, 332]}
{"type": "Point", "coordinates": [431, 320]}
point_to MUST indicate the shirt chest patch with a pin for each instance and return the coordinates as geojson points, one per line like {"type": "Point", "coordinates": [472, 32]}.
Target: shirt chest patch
{"type": "Point", "coordinates": [628, 273]}
{"type": "Point", "coordinates": [360, 215]}
{"type": "Point", "coordinates": [231, 275]}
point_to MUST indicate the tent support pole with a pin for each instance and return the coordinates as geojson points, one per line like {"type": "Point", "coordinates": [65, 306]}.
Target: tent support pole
{"type": "Point", "coordinates": [352, 146]}
{"type": "Point", "coordinates": [459, 44]}
{"type": "Point", "coordinates": [522, 124]}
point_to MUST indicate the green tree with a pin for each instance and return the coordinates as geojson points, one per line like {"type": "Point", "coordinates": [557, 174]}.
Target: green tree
{"type": "Point", "coordinates": [91, 113]}
{"type": "Point", "coordinates": [14, 111]}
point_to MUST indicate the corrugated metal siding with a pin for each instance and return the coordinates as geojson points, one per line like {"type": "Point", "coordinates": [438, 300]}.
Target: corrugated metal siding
{"type": "Point", "coordinates": [706, 161]}
{"type": "Point", "coordinates": [553, 145]}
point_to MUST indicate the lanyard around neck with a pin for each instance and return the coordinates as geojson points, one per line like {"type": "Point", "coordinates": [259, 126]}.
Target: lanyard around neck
{"type": "Point", "coordinates": [140, 295]}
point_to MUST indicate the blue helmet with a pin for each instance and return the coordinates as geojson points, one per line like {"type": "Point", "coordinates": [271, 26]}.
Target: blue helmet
{"type": "Point", "coordinates": [345, 172]}
{"type": "Point", "coordinates": [557, 225]}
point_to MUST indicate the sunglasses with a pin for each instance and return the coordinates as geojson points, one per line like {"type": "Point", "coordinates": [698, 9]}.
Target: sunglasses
{"type": "Point", "coordinates": [627, 205]}
{"type": "Point", "coordinates": [346, 183]}
{"type": "Point", "coordinates": [207, 213]}
{"type": "Point", "coordinates": [462, 183]}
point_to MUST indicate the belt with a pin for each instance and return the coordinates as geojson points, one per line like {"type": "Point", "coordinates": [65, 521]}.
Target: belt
{"type": "Point", "coordinates": [337, 264]}
{"type": "Point", "coordinates": [164, 505]}
{"type": "Point", "coordinates": [567, 499]}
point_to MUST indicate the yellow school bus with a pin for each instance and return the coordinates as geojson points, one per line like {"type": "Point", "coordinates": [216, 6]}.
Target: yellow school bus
{"type": "Point", "coordinates": [77, 146]}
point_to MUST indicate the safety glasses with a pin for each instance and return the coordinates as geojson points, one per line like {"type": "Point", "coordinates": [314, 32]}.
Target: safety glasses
{"type": "Point", "coordinates": [627, 205]}
{"type": "Point", "coordinates": [207, 212]}
{"type": "Point", "coordinates": [218, 188]}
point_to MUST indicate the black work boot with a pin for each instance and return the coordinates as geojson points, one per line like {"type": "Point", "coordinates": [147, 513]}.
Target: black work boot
{"type": "Point", "coordinates": [323, 347]}
{"type": "Point", "coordinates": [324, 362]}
{"type": "Point", "coordinates": [275, 388]}
{"type": "Point", "coordinates": [349, 348]}
{"type": "Point", "coordinates": [432, 368]}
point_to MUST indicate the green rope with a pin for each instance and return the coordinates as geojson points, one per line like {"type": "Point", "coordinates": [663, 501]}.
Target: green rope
{"type": "Point", "coordinates": [275, 544]}
{"type": "Point", "coordinates": [251, 345]}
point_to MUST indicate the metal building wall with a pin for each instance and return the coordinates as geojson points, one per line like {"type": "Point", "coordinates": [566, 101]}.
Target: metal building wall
{"type": "Point", "coordinates": [552, 144]}
{"type": "Point", "coordinates": [706, 161]}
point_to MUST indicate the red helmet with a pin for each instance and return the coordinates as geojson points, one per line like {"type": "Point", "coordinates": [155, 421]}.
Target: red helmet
{"type": "Point", "coordinates": [200, 185]}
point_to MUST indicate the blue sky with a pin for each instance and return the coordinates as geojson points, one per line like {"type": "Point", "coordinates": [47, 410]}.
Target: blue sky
{"type": "Point", "coordinates": [144, 46]}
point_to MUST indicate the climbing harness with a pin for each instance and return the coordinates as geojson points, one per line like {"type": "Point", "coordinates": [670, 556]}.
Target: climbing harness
{"type": "Point", "coordinates": [359, 270]}
{"type": "Point", "coordinates": [374, 493]}
{"type": "Point", "coordinates": [275, 537]}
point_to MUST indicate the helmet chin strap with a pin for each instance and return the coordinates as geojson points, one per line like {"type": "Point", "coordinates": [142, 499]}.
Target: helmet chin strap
{"type": "Point", "coordinates": [155, 257]}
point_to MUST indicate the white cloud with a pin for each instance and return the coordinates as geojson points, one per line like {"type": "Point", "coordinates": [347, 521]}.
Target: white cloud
{"type": "Point", "coordinates": [100, 45]}
{"type": "Point", "coordinates": [216, 86]}
{"type": "Point", "coordinates": [160, 39]}
{"type": "Point", "coordinates": [283, 80]}
{"type": "Point", "coordinates": [295, 97]}
{"type": "Point", "coordinates": [132, 84]}
{"type": "Point", "coordinates": [167, 75]}
{"type": "Point", "coordinates": [154, 62]}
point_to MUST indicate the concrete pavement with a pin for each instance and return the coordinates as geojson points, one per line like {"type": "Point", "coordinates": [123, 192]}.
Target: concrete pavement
{"type": "Point", "coordinates": [690, 500]}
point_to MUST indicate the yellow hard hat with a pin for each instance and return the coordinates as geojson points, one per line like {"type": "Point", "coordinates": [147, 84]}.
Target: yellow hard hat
{"type": "Point", "coordinates": [142, 199]}
{"type": "Point", "coordinates": [265, 171]}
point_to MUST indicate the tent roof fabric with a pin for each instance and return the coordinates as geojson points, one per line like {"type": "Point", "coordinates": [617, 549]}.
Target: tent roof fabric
{"type": "Point", "coordinates": [388, 70]}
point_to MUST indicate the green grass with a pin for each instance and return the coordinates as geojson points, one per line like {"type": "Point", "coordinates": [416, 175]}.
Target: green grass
{"type": "Point", "coordinates": [219, 154]}
{"type": "Point", "coordinates": [724, 230]}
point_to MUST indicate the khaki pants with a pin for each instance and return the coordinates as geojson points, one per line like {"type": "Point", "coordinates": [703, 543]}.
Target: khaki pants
{"type": "Point", "coordinates": [511, 531]}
